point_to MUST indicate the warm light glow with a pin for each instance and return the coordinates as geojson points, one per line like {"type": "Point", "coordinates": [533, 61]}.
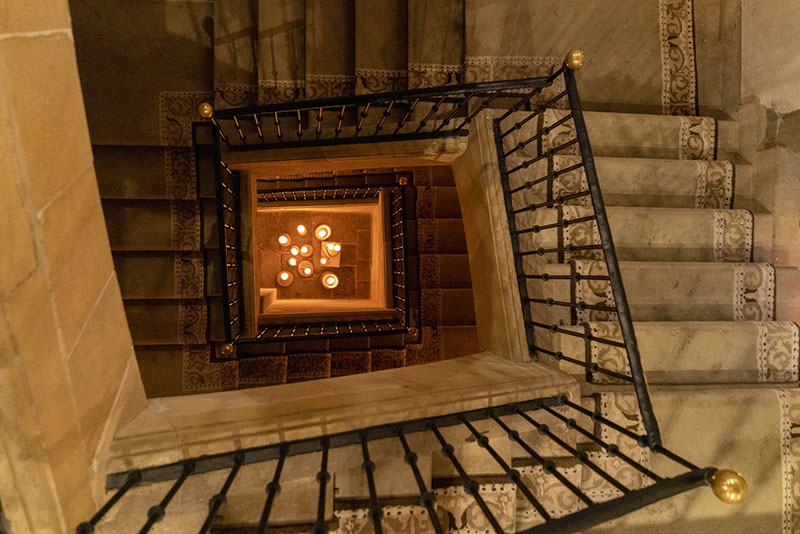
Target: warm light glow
{"type": "Point", "coordinates": [292, 261]}
{"type": "Point", "coordinates": [284, 239]}
{"type": "Point", "coordinates": [284, 278]}
{"type": "Point", "coordinates": [306, 250]}
{"type": "Point", "coordinates": [322, 232]}
{"type": "Point", "coordinates": [305, 268]}
{"type": "Point", "coordinates": [329, 280]}
{"type": "Point", "coordinates": [301, 229]}
{"type": "Point", "coordinates": [323, 261]}
{"type": "Point", "coordinates": [333, 248]}
{"type": "Point", "coordinates": [295, 250]}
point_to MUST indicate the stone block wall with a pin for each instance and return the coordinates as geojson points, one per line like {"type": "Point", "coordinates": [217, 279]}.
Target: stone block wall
{"type": "Point", "coordinates": [66, 360]}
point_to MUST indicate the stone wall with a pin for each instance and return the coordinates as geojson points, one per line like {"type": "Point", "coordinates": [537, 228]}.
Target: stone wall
{"type": "Point", "coordinates": [66, 359]}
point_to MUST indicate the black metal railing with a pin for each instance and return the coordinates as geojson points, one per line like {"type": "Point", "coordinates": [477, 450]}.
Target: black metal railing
{"type": "Point", "coordinates": [233, 290]}
{"type": "Point", "coordinates": [528, 144]}
{"type": "Point", "coordinates": [405, 115]}
{"type": "Point", "coordinates": [484, 425]}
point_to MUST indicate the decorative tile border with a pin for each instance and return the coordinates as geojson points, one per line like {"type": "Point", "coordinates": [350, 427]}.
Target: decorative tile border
{"type": "Point", "coordinates": [179, 173]}
{"type": "Point", "coordinates": [379, 81]}
{"type": "Point", "coordinates": [192, 324]}
{"type": "Point", "coordinates": [581, 234]}
{"type": "Point", "coordinates": [199, 374]}
{"type": "Point", "coordinates": [754, 292]}
{"type": "Point", "coordinates": [733, 235]}
{"type": "Point", "coordinates": [329, 85]}
{"type": "Point", "coordinates": [554, 496]}
{"type": "Point", "coordinates": [433, 75]}
{"type": "Point", "coordinates": [560, 134]}
{"type": "Point", "coordinates": [608, 356]}
{"type": "Point", "coordinates": [234, 95]}
{"type": "Point", "coordinates": [185, 224]}
{"type": "Point", "coordinates": [189, 273]}
{"type": "Point", "coordinates": [714, 184]}
{"type": "Point", "coordinates": [572, 182]}
{"type": "Point", "coordinates": [678, 71]}
{"type": "Point", "coordinates": [789, 400]}
{"type": "Point", "coordinates": [273, 92]}
{"type": "Point", "coordinates": [410, 519]}
{"type": "Point", "coordinates": [778, 352]}
{"type": "Point", "coordinates": [697, 138]}
{"type": "Point", "coordinates": [490, 68]}
{"type": "Point", "coordinates": [466, 517]}
{"type": "Point", "coordinates": [594, 292]}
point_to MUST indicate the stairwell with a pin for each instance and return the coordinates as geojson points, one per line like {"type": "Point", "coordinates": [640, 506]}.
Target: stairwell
{"type": "Point", "coordinates": [715, 330]}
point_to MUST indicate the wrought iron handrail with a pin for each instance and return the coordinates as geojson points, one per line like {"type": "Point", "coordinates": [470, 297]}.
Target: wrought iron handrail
{"type": "Point", "coordinates": [512, 419]}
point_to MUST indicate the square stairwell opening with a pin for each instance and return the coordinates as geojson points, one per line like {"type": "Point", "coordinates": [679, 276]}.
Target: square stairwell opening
{"type": "Point", "coordinates": [322, 252]}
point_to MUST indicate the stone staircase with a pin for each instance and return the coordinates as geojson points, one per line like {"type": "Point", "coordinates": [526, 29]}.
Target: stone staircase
{"type": "Point", "coordinates": [702, 295]}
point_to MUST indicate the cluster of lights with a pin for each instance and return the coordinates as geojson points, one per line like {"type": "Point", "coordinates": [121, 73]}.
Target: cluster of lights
{"type": "Point", "coordinates": [304, 250]}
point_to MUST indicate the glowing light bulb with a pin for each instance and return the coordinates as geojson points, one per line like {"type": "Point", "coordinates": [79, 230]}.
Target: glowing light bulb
{"type": "Point", "coordinates": [337, 247]}
{"type": "Point", "coordinates": [284, 239]}
{"type": "Point", "coordinates": [307, 270]}
{"type": "Point", "coordinates": [323, 261]}
{"type": "Point", "coordinates": [295, 250]}
{"type": "Point", "coordinates": [301, 229]}
{"type": "Point", "coordinates": [322, 232]}
{"type": "Point", "coordinates": [329, 280]}
{"type": "Point", "coordinates": [285, 278]}
{"type": "Point", "coordinates": [292, 261]}
{"type": "Point", "coordinates": [330, 246]}
{"type": "Point", "coordinates": [304, 250]}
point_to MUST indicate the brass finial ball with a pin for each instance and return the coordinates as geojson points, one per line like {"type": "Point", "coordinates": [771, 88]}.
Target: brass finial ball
{"type": "Point", "coordinates": [227, 349]}
{"type": "Point", "coordinates": [729, 486]}
{"type": "Point", "coordinates": [574, 59]}
{"type": "Point", "coordinates": [403, 180]}
{"type": "Point", "coordinates": [206, 110]}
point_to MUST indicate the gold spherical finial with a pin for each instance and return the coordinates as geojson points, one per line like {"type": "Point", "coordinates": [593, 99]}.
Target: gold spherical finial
{"type": "Point", "coordinates": [403, 180]}
{"type": "Point", "coordinates": [729, 486]}
{"type": "Point", "coordinates": [227, 349]}
{"type": "Point", "coordinates": [574, 59]}
{"type": "Point", "coordinates": [206, 110]}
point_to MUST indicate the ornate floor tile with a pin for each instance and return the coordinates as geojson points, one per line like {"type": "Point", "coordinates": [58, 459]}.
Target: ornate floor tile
{"type": "Point", "coordinates": [697, 138]}
{"type": "Point", "coordinates": [466, 517]}
{"type": "Point", "coordinates": [199, 374]}
{"type": "Point", "coordinates": [778, 351]}
{"type": "Point", "coordinates": [733, 235]}
{"type": "Point", "coordinates": [790, 458]}
{"type": "Point", "coordinates": [678, 71]}
{"type": "Point", "coordinates": [754, 292]}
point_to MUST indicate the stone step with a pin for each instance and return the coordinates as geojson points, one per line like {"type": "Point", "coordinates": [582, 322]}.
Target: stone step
{"type": "Point", "coordinates": [626, 135]}
{"type": "Point", "coordinates": [742, 429]}
{"type": "Point", "coordinates": [235, 52]}
{"type": "Point", "coordinates": [642, 234]}
{"type": "Point", "coordinates": [381, 51]}
{"type": "Point", "coordinates": [330, 54]}
{"type": "Point", "coordinates": [167, 275]}
{"type": "Point", "coordinates": [702, 352]}
{"type": "Point", "coordinates": [666, 183]}
{"type": "Point", "coordinates": [435, 42]}
{"type": "Point", "coordinates": [281, 55]}
{"type": "Point", "coordinates": [160, 225]}
{"type": "Point", "coordinates": [659, 291]}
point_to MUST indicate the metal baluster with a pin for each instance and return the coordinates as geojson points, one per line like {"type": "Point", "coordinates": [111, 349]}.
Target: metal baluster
{"type": "Point", "coordinates": [433, 110]}
{"type": "Point", "coordinates": [299, 126]}
{"type": "Point", "coordinates": [610, 448]}
{"type": "Point", "coordinates": [361, 120]}
{"type": "Point", "coordinates": [544, 131]}
{"type": "Point", "coordinates": [87, 527]}
{"type": "Point", "coordinates": [538, 111]}
{"type": "Point", "coordinates": [375, 512]}
{"type": "Point", "coordinates": [452, 114]}
{"type": "Point", "coordinates": [258, 126]}
{"type": "Point", "coordinates": [555, 174]}
{"type": "Point", "coordinates": [512, 475]}
{"type": "Point", "coordinates": [580, 457]}
{"type": "Point", "coordinates": [470, 486]}
{"type": "Point", "coordinates": [239, 129]}
{"type": "Point", "coordinates": [480, 108]}
{"type": "Point", "coordinates": [319, 122]}
{"type": "Point", "coordinates": [548, 466]}
{"type": "Point", "coordinates": [543, 155]}
{"type": "Point", "coordinates": [219, 130]}
{"type": "Point", "coordinates": [588, 337]}
{"type": "Point", "coordinates": [406, 116]}
{"type": "Point", "coordinates": [340, 118]}
{"type": "Point", "coordinates": [278, 126]}
{"type": "Point", "coordinates": [157, 512]}
{"type": "Point", "coordinates": [320, 527]}
{"type": "Point", "coordinates": [386, 112]}
{"type": "Point", "coordinates": [514, 108]}
{"type": "Point", "coordinates": [273, 490]}
{"type": "Point", "coordinates": [426, 498]}
{"type": "Point", "coordinates": [219, 499]}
